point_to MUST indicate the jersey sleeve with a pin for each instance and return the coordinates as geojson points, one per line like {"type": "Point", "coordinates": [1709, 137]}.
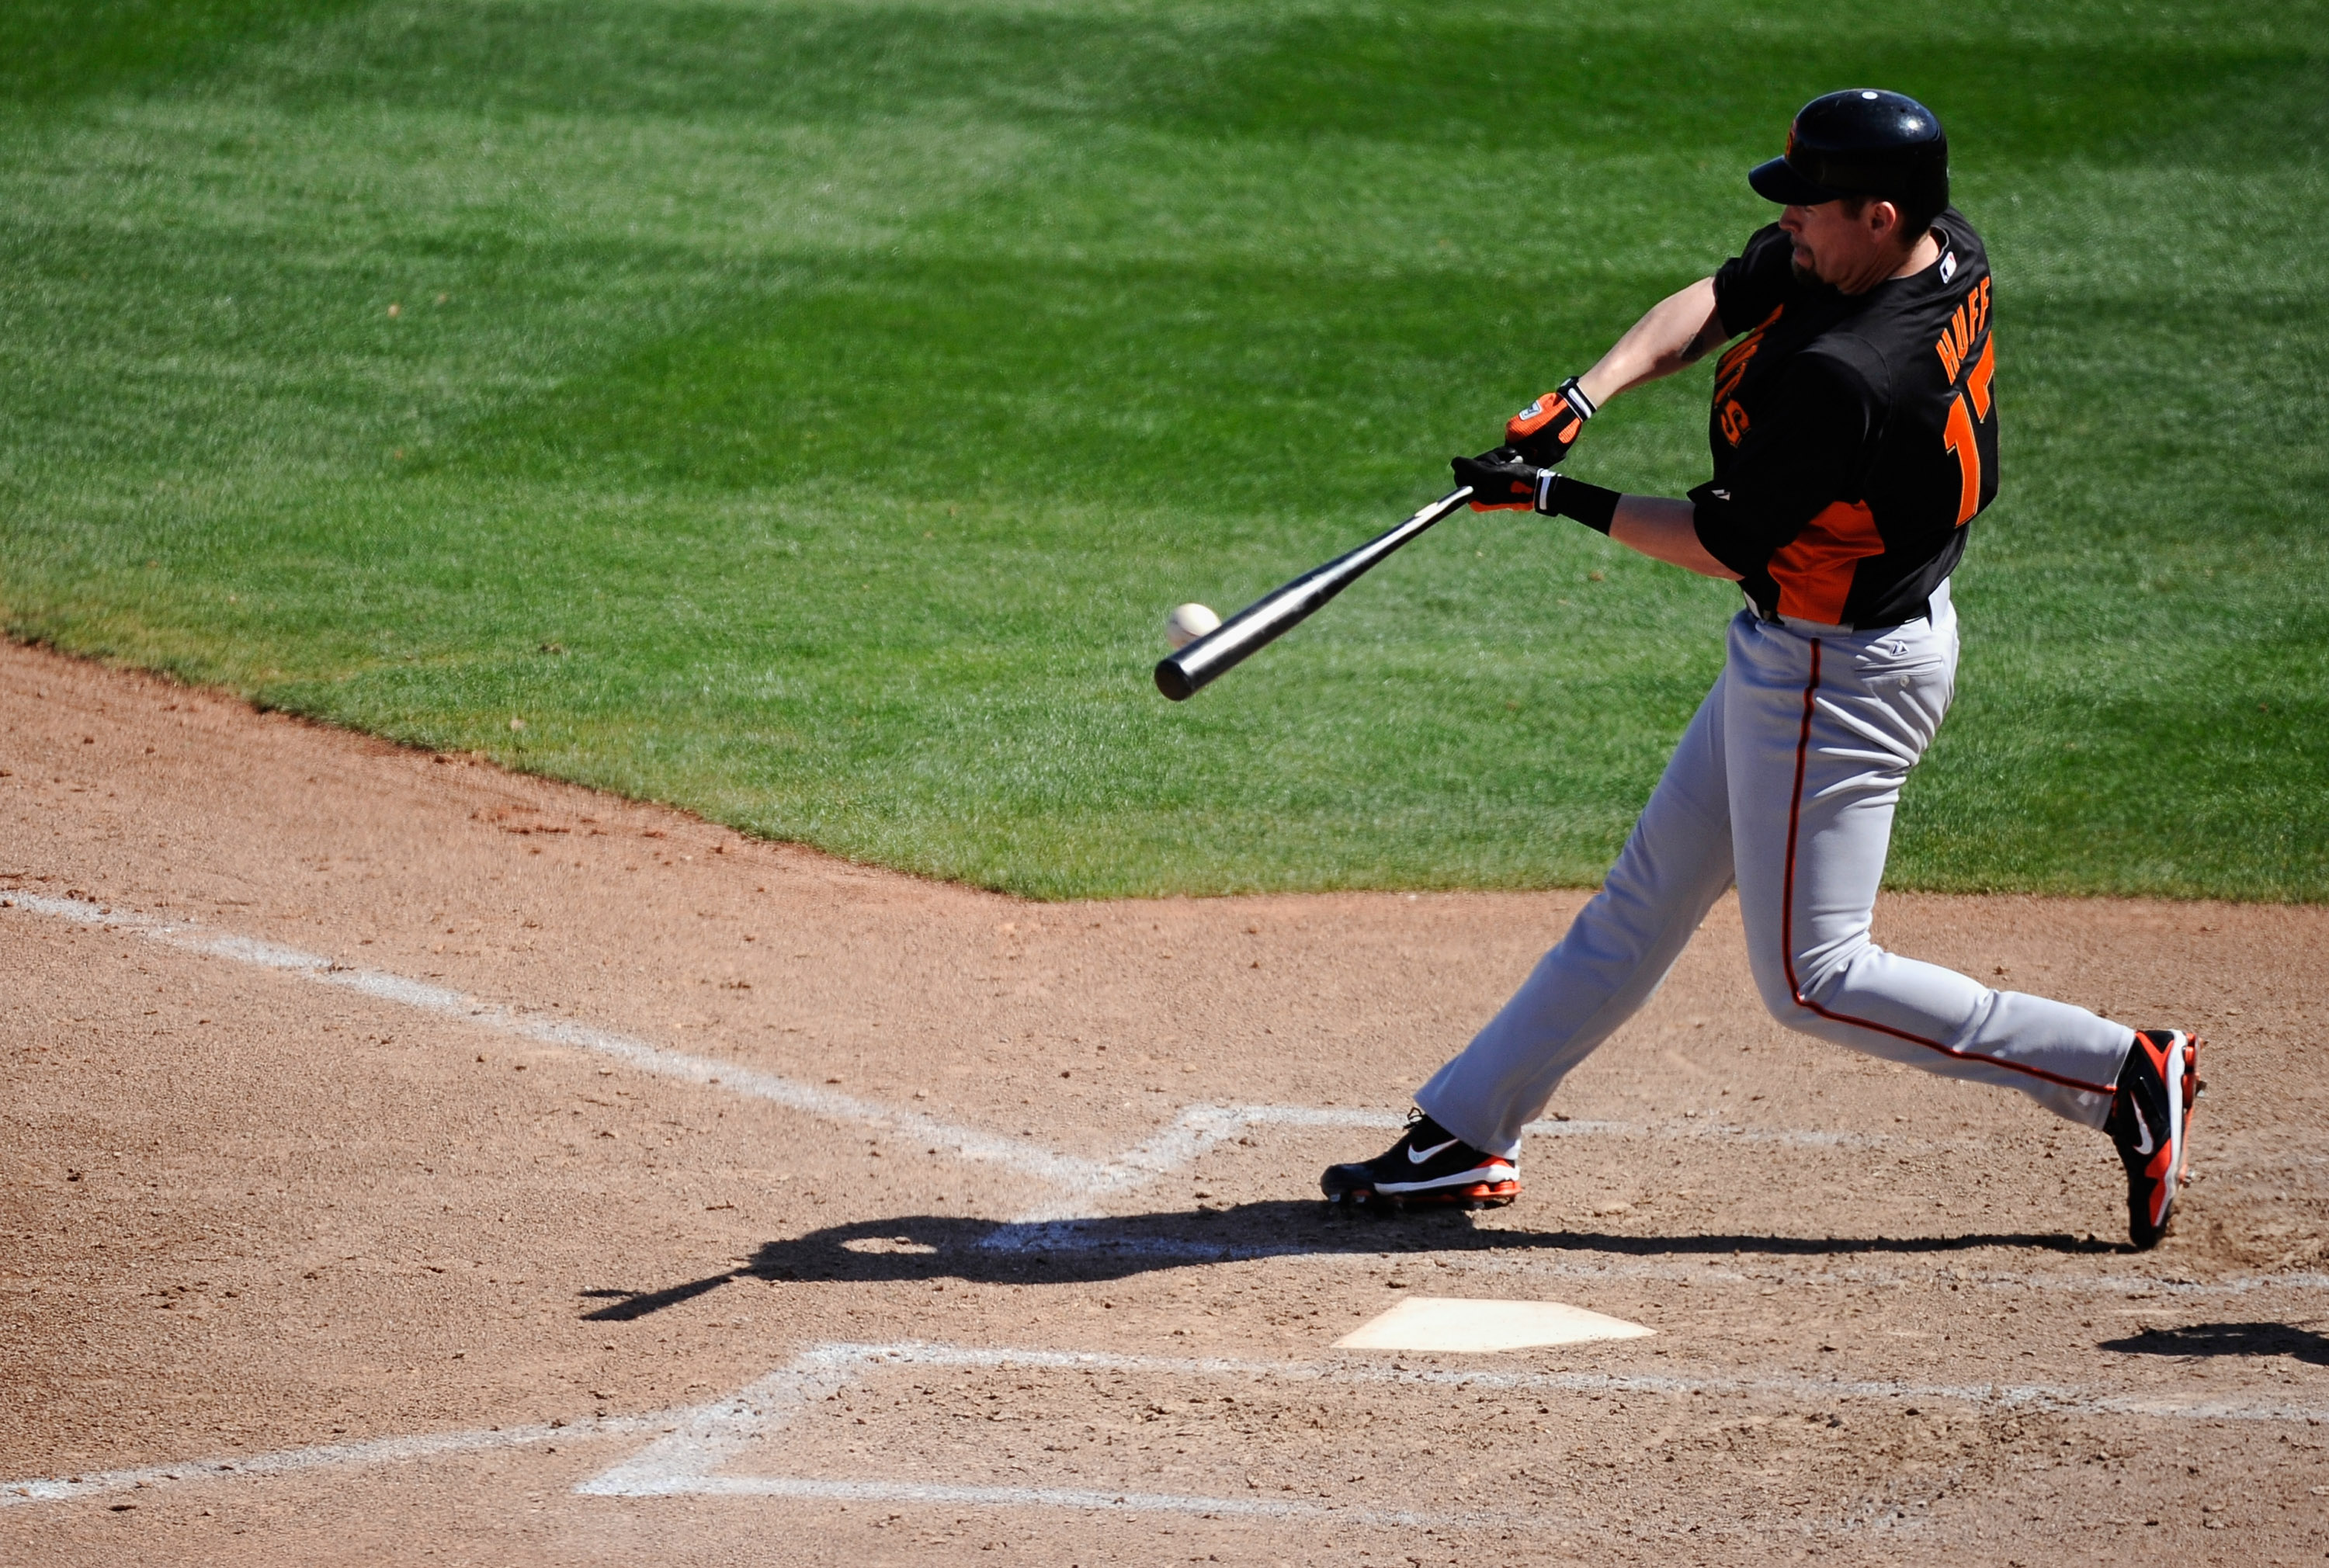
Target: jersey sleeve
{"type": "Point", "coordinates": [1752, 284]}
{"type": "Point", "coordinates": [1790, 469]}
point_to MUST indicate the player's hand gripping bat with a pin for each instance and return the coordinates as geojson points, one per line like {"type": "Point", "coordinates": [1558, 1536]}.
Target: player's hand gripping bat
{"type": "Point", "coordinates": [1263, 622]}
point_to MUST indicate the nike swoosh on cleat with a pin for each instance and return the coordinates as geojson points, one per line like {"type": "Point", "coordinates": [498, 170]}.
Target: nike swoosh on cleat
{"type": "Point", "coordinates": [1417, 1156]}
{"type": "Point", "coordinates": [2144, 1127]}
{"type": "Point", "coordinates": [1496, 1173]}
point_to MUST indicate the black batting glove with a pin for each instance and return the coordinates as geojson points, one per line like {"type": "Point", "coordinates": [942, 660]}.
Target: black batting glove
{"type": "Point", "coordinates": [1501, 481]}
{"type": "Point", "coordinates": [1545, 430]}
{"type": "Point", "coordinates": [1505, 481]}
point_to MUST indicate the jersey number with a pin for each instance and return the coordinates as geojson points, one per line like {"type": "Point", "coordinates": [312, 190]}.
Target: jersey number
{"type": "Point", "coordinates": [1958, 437]}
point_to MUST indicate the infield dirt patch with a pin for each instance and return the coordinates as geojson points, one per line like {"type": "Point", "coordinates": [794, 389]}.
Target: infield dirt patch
{"type": "Point", "coordinates": [999, 1219]}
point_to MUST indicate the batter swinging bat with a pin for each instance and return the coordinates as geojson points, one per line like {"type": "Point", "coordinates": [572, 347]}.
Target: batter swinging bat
{"type": "Point", "coordinates": [1263, 622]}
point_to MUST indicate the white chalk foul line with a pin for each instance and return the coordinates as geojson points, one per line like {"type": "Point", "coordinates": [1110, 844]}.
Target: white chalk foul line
{"type": "Point", "coordinates": [1062, 1169]}
{"type": "Point", "coordinates": [328, 1456]}
{"type": "Point", "coordinates": [1082, 1183]}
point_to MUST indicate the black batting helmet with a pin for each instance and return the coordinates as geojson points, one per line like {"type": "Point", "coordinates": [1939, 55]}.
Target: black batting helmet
{"type": "Point", "coordinates": [1860, 142]}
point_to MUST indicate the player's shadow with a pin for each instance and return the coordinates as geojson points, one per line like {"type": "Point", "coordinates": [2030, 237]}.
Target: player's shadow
{"type": "Point", "coordinates": [936, 1248]}
{"type": "Point", "coordinates": [2227, 1339]}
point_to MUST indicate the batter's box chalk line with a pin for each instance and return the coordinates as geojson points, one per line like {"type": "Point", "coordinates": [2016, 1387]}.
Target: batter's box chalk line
{"type": "Point", "coordinates": [1082, 1186]}
{"type": "Point", "coordinates": [693, 1459]}
{"type": "Point", "coordinates": [693, 1450]}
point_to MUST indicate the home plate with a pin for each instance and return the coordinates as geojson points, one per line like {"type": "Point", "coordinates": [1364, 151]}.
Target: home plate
{"type": "Point", "coordinates": [1456, 1323]}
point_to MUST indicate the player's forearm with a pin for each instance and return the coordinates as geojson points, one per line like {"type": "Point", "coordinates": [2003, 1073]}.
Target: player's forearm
{"type": "Point", "coordinates": [1665, 530]}
{"type": "Point", "coordinates": [1656, 526]}
{"type": "Point", "coordinates": [1676, 332]}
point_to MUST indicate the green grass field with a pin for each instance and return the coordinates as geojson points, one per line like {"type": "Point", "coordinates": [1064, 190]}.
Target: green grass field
{"type": "Point", "coordinates": [806, 413]}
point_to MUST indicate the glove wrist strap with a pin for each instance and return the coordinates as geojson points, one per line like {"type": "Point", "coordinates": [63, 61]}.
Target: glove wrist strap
{"type": "Point", "coordinates": [1558, 495]}
{"type": "Point", "coordinates": [1586, 408]}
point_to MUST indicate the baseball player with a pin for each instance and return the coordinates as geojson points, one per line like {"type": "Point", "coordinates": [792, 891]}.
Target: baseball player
{"type": "Point", "coordinates": [1855, 431]}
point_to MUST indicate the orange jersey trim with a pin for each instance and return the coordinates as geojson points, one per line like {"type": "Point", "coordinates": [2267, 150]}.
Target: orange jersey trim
{"type": "Point", "coordinates": [1815, 569]}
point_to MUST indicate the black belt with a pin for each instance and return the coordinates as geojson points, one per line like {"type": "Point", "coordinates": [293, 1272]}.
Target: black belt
{"type": "Point", "coordinates": [1924, 613]}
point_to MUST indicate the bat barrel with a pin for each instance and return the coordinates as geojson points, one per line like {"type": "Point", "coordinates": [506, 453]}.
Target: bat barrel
{"type": "Point", "coordinates": [1180, 675]}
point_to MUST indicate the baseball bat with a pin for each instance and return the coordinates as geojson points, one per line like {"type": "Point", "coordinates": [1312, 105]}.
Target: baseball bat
{"type": "Point", "coordinates": [1180, 675]}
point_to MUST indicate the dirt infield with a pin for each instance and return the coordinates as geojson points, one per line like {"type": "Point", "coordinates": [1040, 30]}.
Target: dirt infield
{"type": "Point", "coordinates": [405, 1161]}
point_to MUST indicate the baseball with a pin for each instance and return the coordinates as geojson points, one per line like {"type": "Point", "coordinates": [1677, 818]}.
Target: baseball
{"type": "Point", "coordinates": [1187, 623]}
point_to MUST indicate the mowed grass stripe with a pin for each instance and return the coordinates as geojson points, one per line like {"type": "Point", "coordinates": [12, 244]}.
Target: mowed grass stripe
{"type": "Point", "coordinates": [806, 413]}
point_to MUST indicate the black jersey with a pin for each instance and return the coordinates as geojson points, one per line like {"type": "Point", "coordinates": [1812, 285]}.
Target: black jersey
{"type": "Point", "coordinates": [1854, 435]}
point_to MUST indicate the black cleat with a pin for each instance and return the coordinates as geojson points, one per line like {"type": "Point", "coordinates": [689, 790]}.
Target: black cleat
{"type": "Point", "coordinates": [2149, 1116]}
{"type": "Point", "coordinates": [1427, 1166]}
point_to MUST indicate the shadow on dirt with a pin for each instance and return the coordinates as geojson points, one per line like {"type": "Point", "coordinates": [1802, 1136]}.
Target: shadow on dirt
{"type": "Point", "coordinates": [2227, 1339]}
{"type": "Point", "coordinates": [931, 1247]}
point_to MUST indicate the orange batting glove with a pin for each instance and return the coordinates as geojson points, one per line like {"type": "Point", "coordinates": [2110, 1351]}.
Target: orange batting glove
{"type": "Point", "coordinates": [1545, 430]}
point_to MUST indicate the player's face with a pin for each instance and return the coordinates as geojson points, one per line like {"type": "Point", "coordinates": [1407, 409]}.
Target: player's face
{"type": "Point", "coordinates": [1839, 247]}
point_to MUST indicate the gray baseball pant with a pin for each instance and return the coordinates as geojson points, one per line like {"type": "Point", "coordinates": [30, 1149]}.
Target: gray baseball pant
{"type": "Point", "coordinates": [1785, 784]}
